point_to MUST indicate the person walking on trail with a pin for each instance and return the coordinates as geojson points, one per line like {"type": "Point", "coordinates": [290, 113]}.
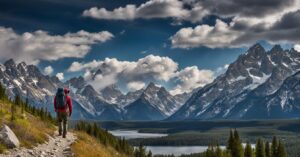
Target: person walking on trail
{"type": "Point", "coordinates": [63, 109]}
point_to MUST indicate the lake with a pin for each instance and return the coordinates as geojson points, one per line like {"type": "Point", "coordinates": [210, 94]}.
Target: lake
{"type": "Point", "coordinates": [131, 134]}
{"type": "Point", "coordinates": [176, 150]}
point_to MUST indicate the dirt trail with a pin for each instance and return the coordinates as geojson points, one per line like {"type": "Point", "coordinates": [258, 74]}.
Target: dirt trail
{"type": "Point", "coordinates": [55, 147]}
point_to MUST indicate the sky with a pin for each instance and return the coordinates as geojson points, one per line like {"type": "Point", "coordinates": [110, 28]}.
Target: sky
{"type": "Point", "coordinates": [179, 44]}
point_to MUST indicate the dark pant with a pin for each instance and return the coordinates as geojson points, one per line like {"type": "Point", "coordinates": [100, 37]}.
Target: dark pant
{"type": "Point", "coordinates": [62, 118]}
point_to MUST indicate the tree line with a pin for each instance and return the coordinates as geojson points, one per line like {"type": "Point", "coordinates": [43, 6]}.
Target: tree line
{"type": "Point", "coordinates": [235, 148]}
{"type": "Point", "coordinates": [19, 106]}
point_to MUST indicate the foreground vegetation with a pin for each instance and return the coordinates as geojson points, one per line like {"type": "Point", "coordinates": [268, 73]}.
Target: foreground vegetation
{"type": "Point", "coordinates": [30, 124]}
{"type": "Point", "coordinates": [98, 138]}
{"type": "Point", "coordinates": [88, 146]}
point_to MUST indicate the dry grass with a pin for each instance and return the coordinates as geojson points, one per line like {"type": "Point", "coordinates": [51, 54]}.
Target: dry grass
{"type": "Point", "coordinates": [29, 129]}
{"type": "Point", "coordinates": [87, 146]}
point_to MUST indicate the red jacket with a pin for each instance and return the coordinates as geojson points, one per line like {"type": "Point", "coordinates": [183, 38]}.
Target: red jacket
{"type": "Point", "coordinates": [69, 103]}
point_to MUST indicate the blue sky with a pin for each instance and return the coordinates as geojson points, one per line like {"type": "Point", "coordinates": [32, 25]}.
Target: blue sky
{"type": "Point", "coordinates": [144, 29]}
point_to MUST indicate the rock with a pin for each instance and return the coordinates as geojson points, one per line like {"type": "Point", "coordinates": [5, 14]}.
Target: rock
{"type": "Point", "coordinates": [8, 137]}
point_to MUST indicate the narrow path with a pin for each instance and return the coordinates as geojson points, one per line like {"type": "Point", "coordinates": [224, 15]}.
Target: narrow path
{"type": "Point", "coordinates": [55, 147]}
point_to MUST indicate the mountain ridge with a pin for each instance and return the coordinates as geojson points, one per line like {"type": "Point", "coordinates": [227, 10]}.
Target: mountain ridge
{"type": "Point", "coordinates": [253, 76]}
{"type": "Point", "coordinates": [107, 104]}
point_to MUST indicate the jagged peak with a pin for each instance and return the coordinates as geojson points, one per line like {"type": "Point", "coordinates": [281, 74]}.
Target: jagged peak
{"type": "Point", "coordinates": [89, 88]}
{"type": "Point", "coordinates": [276, 47]}
{"type": "Point", "coordinates": [22, 64]}
{"type": "Point", "coordinates": [150, 86]}
{"type": "Point", "coordinates": [163, 90]}
{"type": "Point", "coordinates": [256, 49]}
{"type": "Point", "coordinates": [10, 63]}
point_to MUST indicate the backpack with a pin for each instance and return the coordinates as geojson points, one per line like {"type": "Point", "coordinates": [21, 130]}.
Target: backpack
{"type": "Point", "coordinates": [60, 99]}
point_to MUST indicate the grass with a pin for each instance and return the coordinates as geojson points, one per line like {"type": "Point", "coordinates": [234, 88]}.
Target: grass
{"type": "Point", "coordinates": [29, 129]}
{"type": "Point", "coordinates": [87, 146]}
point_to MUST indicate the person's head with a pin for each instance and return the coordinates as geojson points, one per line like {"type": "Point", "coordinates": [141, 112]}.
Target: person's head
{"type": "Point", "coordinates": [66, 90]}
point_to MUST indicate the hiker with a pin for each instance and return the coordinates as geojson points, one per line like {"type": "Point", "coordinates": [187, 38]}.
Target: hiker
{"type": "Point", "coordinates": [63, 109]}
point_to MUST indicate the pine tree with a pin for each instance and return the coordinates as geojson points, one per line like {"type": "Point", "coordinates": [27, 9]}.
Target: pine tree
{"type": "Point", "coordinates": [281, 150]}
{"type": "Point", "coordinates": [141, 151]}
{"type": "Point", "coordinates": [210, 152]}
{"type": "Point", "coordinates": [267, 149]}
{"type": "Point", "coordinates": [219, 152]}
{"type": "Point", "coordinates": [248, 150]}
{"type": "Point", "coordinates": [13, 112]}
{"type": "Point", "coordinates": [95, 129]}
{"type": "Point", "coordinates": [17, 100]}
{"type": "Point", "coordinates": [2, 92]}
{"type": "Point", "coordinates": [274, 147]}
{"type": "Point", "coordinates": [237, 150]}
{"type": "Point", "coordinates": [230, 142]}
{"type": "Point", "coordinates": [260, 150]}
{"type": "Point", "coordinates": [149, 154]}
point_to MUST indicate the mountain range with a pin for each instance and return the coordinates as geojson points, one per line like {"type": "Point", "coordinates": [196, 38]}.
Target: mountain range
{"type": "Point", "coordinates": [260, 84]}
{"type": "Point", "coordinates": [151, 103]}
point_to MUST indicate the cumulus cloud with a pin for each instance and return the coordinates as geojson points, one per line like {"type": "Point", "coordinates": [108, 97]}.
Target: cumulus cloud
{"type": "Point", "coordinates": [60, 76]}
{"type": "Point", "coordinates": [136, 85]}
{"type": "Point", "coordinates": [250, 21]}
{"type": "Point", "coordinates": [191, 78]}
{"type": "Point", "coordinates": [220, 35]}
{"type": "Point", "coordinates": [48, 70]}
{"type": "Point", "coordinates": [136, 74]}
{"type": "Point", "coordinates": [297, 48]}
{"type": "Point", "coordinates": [148, 10]}
{"type": "Point", "coordinates": [32, 47]}
{"type": "Point", "coordinates": [253, 8]}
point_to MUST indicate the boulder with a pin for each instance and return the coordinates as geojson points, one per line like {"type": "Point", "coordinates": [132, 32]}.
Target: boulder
{"type": "Point", "coordinates": [8, 137]}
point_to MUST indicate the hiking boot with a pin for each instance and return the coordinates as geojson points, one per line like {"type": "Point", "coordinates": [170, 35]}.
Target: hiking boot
{"type": "Point", "coordinates": [64, 135]}
{"type": "Point", "coordinates": [59, 134]}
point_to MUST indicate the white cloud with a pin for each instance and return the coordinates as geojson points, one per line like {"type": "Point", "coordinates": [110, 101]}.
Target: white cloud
{"type": "Point", "coordinates": [147, 10]}
{"type": "Point", "coordinates": [220, 35]}
{"type": "Point", "coordinates": [251, 21]}
{"type": "Point", "coordinates": [136, 85]}
{"type": "Point", "coordinates": [136, 74]}
{"type": "Point", "coordinates": [76, 66]}
{"type": "Point", "coordinates": [32, 47]}
{"type": "Point", "coordinates": [297, 48]}
{"type": "Point", "coordinates": [48, 70]}
{"type": "Point", "coordinates": [60, 76]}
{"type": "Point", "coordinates": [122, 13]}
{"type": "Point", "coordinates": [191, 78]}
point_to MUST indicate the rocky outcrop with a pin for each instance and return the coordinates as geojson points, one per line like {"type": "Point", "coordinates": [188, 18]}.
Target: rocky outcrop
{"type": "Point", "coordinates": [8, 137]}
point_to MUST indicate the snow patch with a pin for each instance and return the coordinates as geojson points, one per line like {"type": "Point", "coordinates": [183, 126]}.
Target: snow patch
{"type": "Point", "coordinates": [2, 67]}
{"type": "Point", "coordinates": [284, 64]}
{"type": "Point", "coordinates": [17, 83]}
{"type": "Point", "coordinates": [283, 100]}
{"type": "Point", "coordinates": [35, 81]}
{"type": "Point", "coordinates": [239, 78]}
{"type": "Point", "coordinates": [256, 80]}
{"type": "Point", "coordinates": [269, 57]}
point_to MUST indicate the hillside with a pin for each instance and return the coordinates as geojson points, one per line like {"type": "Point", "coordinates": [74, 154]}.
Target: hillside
{"type": "Point", "coordinates": [32, 126]}
{"type": "Point", "coordinates": [37, 134]}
